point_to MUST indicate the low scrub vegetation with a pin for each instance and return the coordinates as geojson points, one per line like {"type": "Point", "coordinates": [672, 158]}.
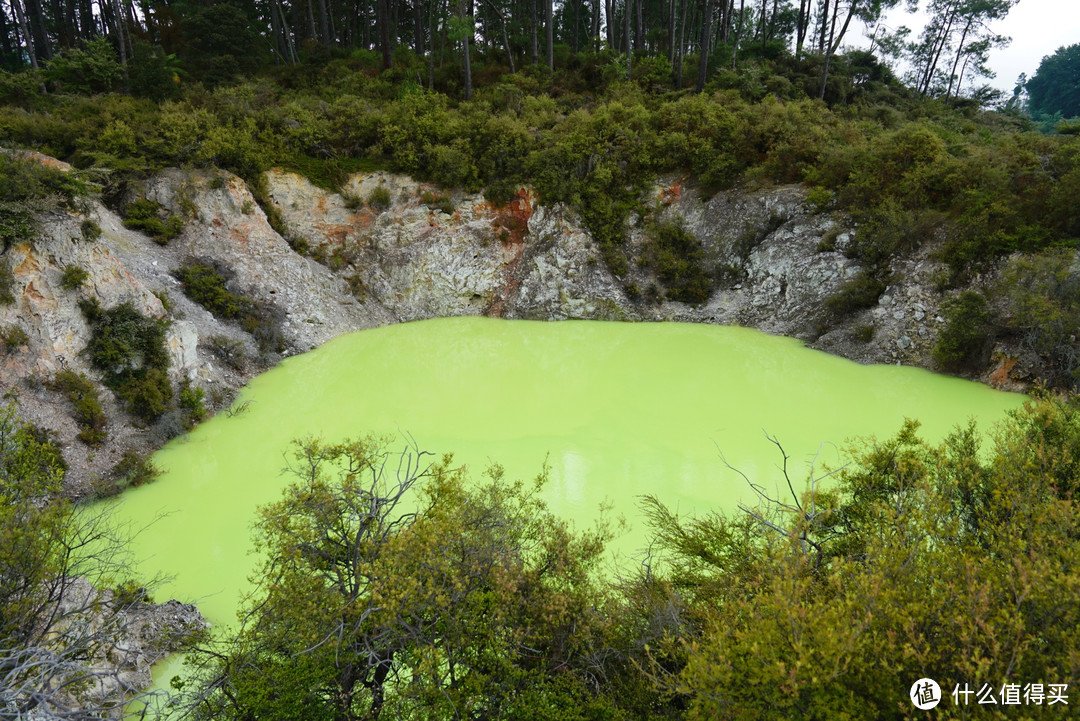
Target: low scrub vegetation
{"type": "Point", "coordinates": [129, 350]}
{"type": "Point", "coordinates": [415, 593]}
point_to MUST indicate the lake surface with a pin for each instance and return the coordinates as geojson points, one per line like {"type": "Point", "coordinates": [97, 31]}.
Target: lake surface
{"type": "Point", "coordinates": [618, 410]}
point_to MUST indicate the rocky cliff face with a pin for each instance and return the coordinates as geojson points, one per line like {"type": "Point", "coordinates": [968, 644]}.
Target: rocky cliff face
{"type": "Point", "coordinates": [388, 249]}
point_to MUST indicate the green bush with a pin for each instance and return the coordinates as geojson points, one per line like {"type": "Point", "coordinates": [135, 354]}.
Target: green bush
{"type": "Point", "coordinates": [14, 337]}
{"type": "Point", "coordinates": [134, 470]}
{"type": "Point", "coordinates": [73, 277]}
{"type": "Point", "coordinates": [965, 339]}
{"type": "Point", "coordinates": [1042, 296]}
{"type": "Point", "coordinates": [7, 283]}
{"type": "Point", "coordinates": [92, 69]}
{"type": "Point", "coordinates": [379, 198]}
{"type": "Point", "coordinates": [83, 395]}
{"type": "Point", "coordinates": [29, 187]}
{"type": "Point", "coordinates": [191, 403]}
{"type": "Point", "coordinates": [206, 286]}
{"type": "Point", "coordinates": [129, 349]}
{"type": "Point", "coordinates": [90, 230]}
{"type": "Point", "coordinates": [859, 292]}
{"type": "Point", "coordinates": [676, 256]}
{"type": "Point", "coordinates": [146, 215]}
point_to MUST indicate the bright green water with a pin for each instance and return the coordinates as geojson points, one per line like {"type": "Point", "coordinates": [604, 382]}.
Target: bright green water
{"type": "Point", "coordinates": [619, 410]}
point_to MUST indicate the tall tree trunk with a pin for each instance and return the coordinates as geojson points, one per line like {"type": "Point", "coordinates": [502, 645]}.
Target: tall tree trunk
{"type": "Point", "coordinates": [434, 8]}
{"type": "Point", "coordinates": [738, 20]}
{"type": "Point", "coordinates": [671, 33]}
{"type": "Point", "coordinates": [609, 14]}
{"type": "Point", "coordinates": [628, 12]}
{"type": "Point", "coordinates": [639, 35]}
{"type": "Point", "coordinates": [956, 62]}
{"type": "Point", "coordinates": [534, 42]}
{"type": "Point", "coordinates": [594, 34]}
{"type": "Point", "coordinates": [706, 26]}
{"type": "Point", "coordinates": [801, 25]}
{"type": "Point", "coordinates": [549, 31]}
{"type": "Point", "coordinates": [20, 17]}
{"type": "Point", "coordinates": [682, 44]}
{"type": "Point", "coordinates": [466, 15]}
{"type": "Point", "coordinates": [505, 35]}
{"type": "Point", "coordinates": [418, 27]}
{"type": "Point", "coordinates": [36, 18]}
{"type": "Point", "coordinates": [324, 25]}
{"type": "Point", "coordinates": [382, 18]}
{"type": "Point", "coordinates": [835, 43]}
{"type": "Point", "coordinates": [825, 5]}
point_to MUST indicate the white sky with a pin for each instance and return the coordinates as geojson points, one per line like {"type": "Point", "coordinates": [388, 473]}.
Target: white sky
{"type": "Point", "coordinates": [1037, 28]}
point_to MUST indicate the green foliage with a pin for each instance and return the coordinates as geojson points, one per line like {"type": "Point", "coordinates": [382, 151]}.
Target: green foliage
{"type": "Point", "coordinates": [92, 69]}
{"type": "Point", "coordinates": [1042, 293]}
{"type": "Point", "coordinates": [859, 292]}
{"type": "Point", "coordinates": [133, 470]}
{"type": "Point", "coordinates": [48, 650]}
{"type": "Point", "coordinates": [90, 230]}
{"type": "Point", "coordinates": [964, 340]}
{"type": "Point", "coordinates": [207, 286]}
{"type": "Point", "coordinates": [908, 563]}
{"type": "Point", "coordinates": [148, 216]}
{"type": "Point", "coordinates": [437, 201]}
{"type": "Point", "coordinates": [379, 198]}
{"type": "Point", "coordinates": [1053, 89]}
{"type": "Point", "coordinates": [191, 403]}
{"type": "Point", "coordinates": [7, 283]}
{"type": "Point", "coordinates": [73, 277]}
{"type": "Point", "coordinates": [676, 256]}
{"type": "Point", "coordinates": [412, 596]}
{"type": "Point", "coordinates": [84, 398]}
{"type": "Point", "coordinates": [28, 187]}
{"type": "Point", "coordinates": [14, 337]}
{"type": "Point", "coordinates": [129, 350]}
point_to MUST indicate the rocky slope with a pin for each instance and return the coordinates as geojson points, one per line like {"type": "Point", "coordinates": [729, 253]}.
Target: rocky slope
{"type": "Point", "coordinates": [388, 249]}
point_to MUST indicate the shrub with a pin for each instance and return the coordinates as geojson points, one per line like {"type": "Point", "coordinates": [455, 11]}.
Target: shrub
{"type": "Point", "coordinates": [206, 286]}
{"type": "Point", "coordinates": [89, 70]}
{"type": "Point", "coordinates": [964, 341]}
{"type": "Point", "coordinates": [73, 277]}
{"type": "Point", "coordinates": [83, 395]}
{"type": "Point", "coordinates": [438, 201]}
{"type": "Point", "coordinates": [29, 187]}
{"type": "Point", "coordinates": [146, 215]}
{"type": "Point", "coordinates": [14, 337]}
{"type": "Point", "coordinates": [677, 258]}
{"type": "Point", "coordinates": [379, 198]}
{"type": "Point", "coordinates": [191, 403]}
{"type": "Point", "coordinates": [129, 350]}
{"type": "Point", "coordinates": [134, 470]}
{"type": "Point", "coordinates": [90, 230]}
{"type": "Point", "coordinates": [7, 283]}
{"type": "Point", "coordinates": [1042, 294]}
{"type": "Point", "coordinates": [862, 291]}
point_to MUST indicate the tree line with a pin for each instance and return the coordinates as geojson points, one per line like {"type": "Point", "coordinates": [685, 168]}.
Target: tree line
{"type": "Point", "coordinates": [220, 37]}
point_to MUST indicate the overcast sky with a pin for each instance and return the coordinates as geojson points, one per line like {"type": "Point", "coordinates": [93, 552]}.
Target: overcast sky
{"type": "Point", "coordinates": [1037, 28]}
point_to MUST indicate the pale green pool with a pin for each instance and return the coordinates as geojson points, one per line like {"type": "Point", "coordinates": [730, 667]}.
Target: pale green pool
{"type": "Point", "coordinates": [619, 410]}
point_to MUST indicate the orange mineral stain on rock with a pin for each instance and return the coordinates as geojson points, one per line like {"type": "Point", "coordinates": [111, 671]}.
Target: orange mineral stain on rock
{"type": "Point", "coordinates": [999, 377]}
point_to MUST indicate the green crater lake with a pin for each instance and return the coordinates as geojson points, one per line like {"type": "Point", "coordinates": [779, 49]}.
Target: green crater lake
{"type": "Point", "coordinates": [617, 409]}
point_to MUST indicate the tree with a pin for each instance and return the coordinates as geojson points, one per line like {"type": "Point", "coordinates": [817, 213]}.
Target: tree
{"type": "Point", "coordinates": [1055, 86]}
{"type": "Point", "coordinates": [391, 584]}
{"type": "Point", "coordinates": [957, 29]}
{"type": "Point", "coordinates": [56, 629]}
{"type": "Point", "coordinates": [869, 11]}
{"type": "Point", "coordinates": [916, 560]}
